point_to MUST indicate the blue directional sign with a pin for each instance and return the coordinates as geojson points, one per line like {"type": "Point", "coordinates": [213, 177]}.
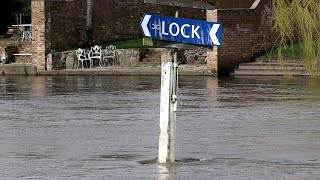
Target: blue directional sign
{"type": "Point", "coordinates": [182, 30]}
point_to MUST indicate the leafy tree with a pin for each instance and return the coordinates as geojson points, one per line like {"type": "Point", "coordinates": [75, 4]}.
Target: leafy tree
{"type": "Point", "coordinates": [26, 7]}
{"type": "Point", "coordinates": [299, 20]}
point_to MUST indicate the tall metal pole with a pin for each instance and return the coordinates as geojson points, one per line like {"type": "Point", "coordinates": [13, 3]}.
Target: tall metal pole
{"type": "Point", "coordinates": [174, 104]}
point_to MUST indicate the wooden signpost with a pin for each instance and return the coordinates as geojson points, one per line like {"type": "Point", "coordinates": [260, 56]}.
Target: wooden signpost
{"type": "Point", "coordinates": [182, 32]}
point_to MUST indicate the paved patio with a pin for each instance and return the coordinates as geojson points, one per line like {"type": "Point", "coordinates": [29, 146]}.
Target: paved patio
{"type": "Point", "coordinates": [4, 42]}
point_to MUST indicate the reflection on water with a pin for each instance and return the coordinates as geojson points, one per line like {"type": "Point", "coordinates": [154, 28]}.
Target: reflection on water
{"type": "Point", "coordinates": [91, 127]}
{"type": "Point", "coordinates": [165, 171]}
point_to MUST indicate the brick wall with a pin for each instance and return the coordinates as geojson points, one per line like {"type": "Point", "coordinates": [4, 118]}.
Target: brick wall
{"type": "Point", "coordinates": [59, 25]}
{"type": "Point", "coordinates": [112, 19]}
{"type": "Point", "coordinates": [246, 33]}
{"type": "Point", "coordinates": [65, 24]}
{"type": "Point", "coordinates": [227, 4]}
{"type": "Point", "coordinates": [38, 34]}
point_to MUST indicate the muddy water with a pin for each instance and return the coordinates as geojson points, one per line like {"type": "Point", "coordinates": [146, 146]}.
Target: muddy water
{"type": "Point", "coordinates": [107, 128]}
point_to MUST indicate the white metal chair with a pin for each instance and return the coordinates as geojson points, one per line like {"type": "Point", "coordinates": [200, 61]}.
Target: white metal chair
{"type": "Point", "coordinates": [26, 35]}
{"type": "Point", "coordinates": [21, 31]}
{"type": "Point", "coordinates": [82, 57]}
{"type": "Point", "coordinates": [96, 54]}
{"type": "Point", "coordinates": [111, 54]}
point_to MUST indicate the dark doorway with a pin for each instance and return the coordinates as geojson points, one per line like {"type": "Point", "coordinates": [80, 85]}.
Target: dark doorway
{"type": "Point", "coordinates": [11, 11]}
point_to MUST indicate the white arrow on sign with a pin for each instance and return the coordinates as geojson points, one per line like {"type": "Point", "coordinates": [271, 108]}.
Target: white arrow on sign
{"type": "Point", "coordinates": [213, 33]}
{"type": "Point", "coordinates": [144, 25]}
{"type": "Point", "coordinates": [181, 30]}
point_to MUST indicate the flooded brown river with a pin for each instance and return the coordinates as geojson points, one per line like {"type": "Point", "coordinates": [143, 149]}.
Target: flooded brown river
{"type": "Point", "coordinates": [91, 127]}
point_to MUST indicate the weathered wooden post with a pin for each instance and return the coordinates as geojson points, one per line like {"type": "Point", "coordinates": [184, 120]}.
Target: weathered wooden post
{"type": "Point", "coordinates": [168, 105]}
{"type": "Point", "coordinates": [183, 31]}
{"type": "Point", "coordinates": [165, 138]}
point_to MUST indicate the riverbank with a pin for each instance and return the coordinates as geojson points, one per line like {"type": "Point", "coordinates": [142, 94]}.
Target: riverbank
{"type": "Point", "coordinates": [143, 70]}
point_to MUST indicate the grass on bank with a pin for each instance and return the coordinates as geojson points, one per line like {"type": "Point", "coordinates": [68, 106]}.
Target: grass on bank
{"type": "Point", "coordinates": [294, 51]}
{"type": "Point", "coordinates": [127, 44]}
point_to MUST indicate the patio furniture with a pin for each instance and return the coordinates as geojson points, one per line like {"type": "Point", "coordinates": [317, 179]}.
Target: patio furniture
{"type": "Point", "coordinates": [111, 54]}
{"type": "Point", "coordinates": [25, 32]}
{"type": "Point", "coordinates": [26, 35]}
{"type": "Point", "coordinates": [95, 54]}
{"type": "Point", "coordinates": [11, 31]}
{"type": "Point", "coordinates": [82, 57]}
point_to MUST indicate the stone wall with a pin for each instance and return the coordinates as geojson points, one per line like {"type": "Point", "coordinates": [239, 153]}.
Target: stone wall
{"type": "Point", "coordinates": [195, 56]}
{"type": "Point", "coordinates": [61, 60]}
{"type": "Point", "coordinates": [68, 60]}
{"type": "Point", "coordinates": [125, 58]}
{"type": "Point", "coordinates": [128, 57]}
{"type": "Point", "coordinates": [17, 69]}
{"type": "Point", "coordinates": [23, 59]}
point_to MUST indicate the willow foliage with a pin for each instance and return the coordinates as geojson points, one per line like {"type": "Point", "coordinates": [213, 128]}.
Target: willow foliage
{"type": "Point", "coordinates": [299, 20]}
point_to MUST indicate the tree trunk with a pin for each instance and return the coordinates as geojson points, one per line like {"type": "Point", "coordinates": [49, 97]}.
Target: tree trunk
{"type": "Point", "coordinates": [89, 31]}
